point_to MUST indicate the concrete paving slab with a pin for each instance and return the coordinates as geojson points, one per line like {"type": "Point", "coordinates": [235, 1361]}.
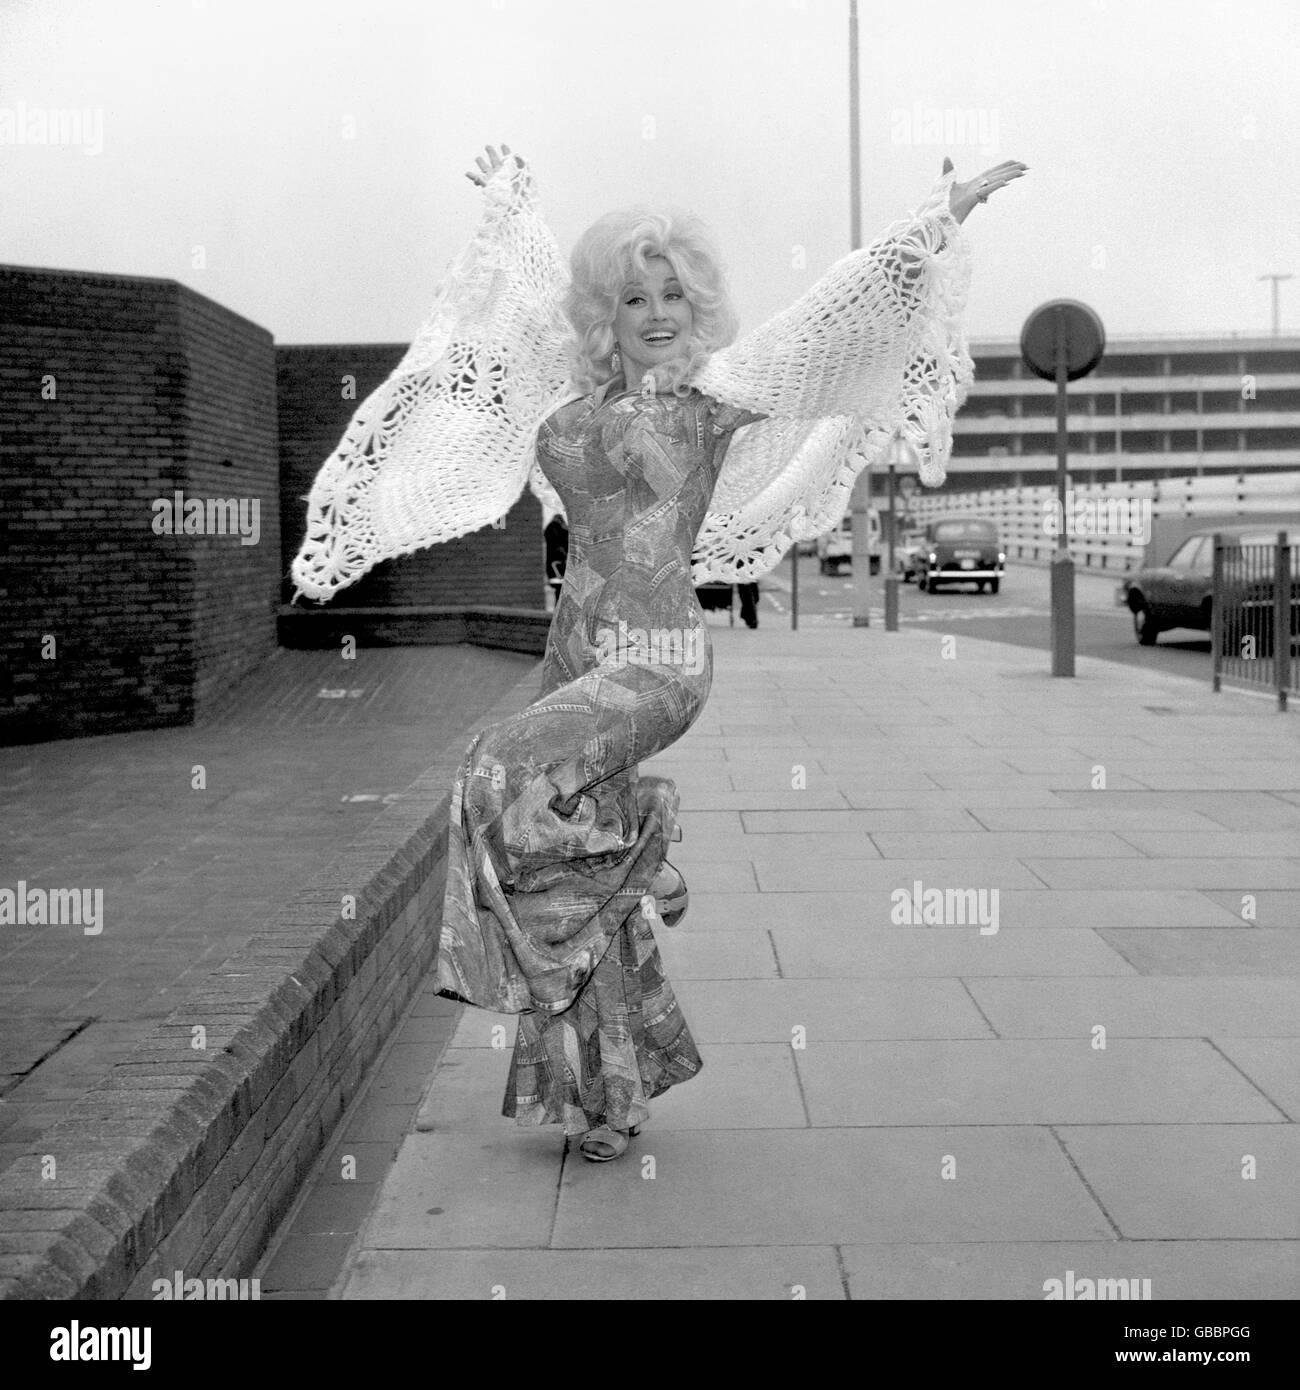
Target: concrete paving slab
{"type": "Point", "coordinates": [711, 912]}
{"type": "Point", "coordinates": [754, 733]}
{"type": "Point", "coordinates": [867, 795]}
{"type": "Point", "coordinates": [484, 1028]}
{"type": "Point", "coordinates": [1233, 810]}
{"type": "Point", "coordinates": [724, 875]}
{"type": "Point", "coordinates": [765, 823]}
{"type": "Point", "coordinates": [335, 1209]}
{"type": "Point", "coordinates": [464, 1094]}
{"type": "Point", "coordinates": [1100, 908]}
{"type": "Point", "coordinates": [742, 1086]}
{"type": "Point", "coordinates": [1208, 951]}
{"type": "Point", "coordinates": [1185, 1182]}
{"type": "Point", "coordinates": [715, 955]}
{"type": "Point", "coordinates": [305, 1262]}
{"type": "Point", "coordinates": [1272, 1064]}
{"type": "Point", "coordinates": [376, 1119]}
{"type": "Point", "coordinates": [926, 731]}
{"type": "Point", "coordinates": [736, 1011]}
{"type": "Point", "coordinates": [1068, 820]}
{"type": "Point", "coordinates": [822, 1187]}
{"type": "Point", "coordinates": [456, 1191]}
{"type": "Point", "coordinates": [744, 780]}
{"type": "Point", "coordinates": [1009, 845]}
{"type": "Point", "coordinates": [1254, 844]}
{"type": "Point", "coordinates": [1177, 1269]}
{"type": "Point", "coordinates": [694, 787]}
{"type": "Point", "coordinates": [820, 952]}
{"type": "Point", "coordinates": [779, 848]}
{"type": "Point", "coordinates": [847, 875]}
{"type": "Point", "coordinates": [819, 794]}
{"type": "Point", "coordinates": [1250, 875]}
{"type": "Point", "coordinates": [1136, 1006]}
{"type": "Point", "coordinates": [777, 760]}
{"type": "Point", "coordinates": [887, 757]}
{"type": "Point", "coordinates": [347, 1163]}
{"type": "Point", "coordinates": [736, 1273]}
{"type": "Point", "coordinates": [1074, 776]}
{"type": "Point", "coordinates": [1268, 909]}
{"type": "Point", "coordinates": [1019, 1082]}
{"type": "Point", "coordinates": [1245, 774]}
{"type": "Point", "coordinates": [699, 824]}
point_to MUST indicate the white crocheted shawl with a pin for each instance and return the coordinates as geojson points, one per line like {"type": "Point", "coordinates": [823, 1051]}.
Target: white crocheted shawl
{"type": "Point", "coordinates": [446, 444]}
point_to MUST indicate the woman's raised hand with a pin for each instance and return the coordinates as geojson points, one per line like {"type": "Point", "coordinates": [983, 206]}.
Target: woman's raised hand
{"type": "Point", "coordinates": [493, 162]}
{"type": "Point", "coordinates": [963, 197]}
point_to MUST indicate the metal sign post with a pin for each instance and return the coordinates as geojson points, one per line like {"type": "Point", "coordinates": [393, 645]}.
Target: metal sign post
{"type": "Point", "coordinates": [901, 455]}
{"type": "Point", "coordinates": [891, 579]}
{"type": "Point", "coordinates": [860, 511]}
{"type": "Point", "coordinates": [794, 587]}
{"type": "Point", "coordinates": [1062, 341]}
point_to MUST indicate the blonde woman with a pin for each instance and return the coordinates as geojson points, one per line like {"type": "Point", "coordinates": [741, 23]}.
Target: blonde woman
{"type": "Point", "coordinates": [617, 390]}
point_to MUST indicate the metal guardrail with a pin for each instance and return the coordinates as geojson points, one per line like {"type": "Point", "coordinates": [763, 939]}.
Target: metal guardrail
{"type": "Point", "coordinates": [1255, 615]}
{"type": "Point", "coordinates": [1019, 511]}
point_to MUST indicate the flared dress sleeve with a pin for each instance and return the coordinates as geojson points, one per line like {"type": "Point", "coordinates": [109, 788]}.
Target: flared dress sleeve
{"type": "Point", "coordinates": [445, 445]}
{"type": "Point", "coordinates": [874, 349]}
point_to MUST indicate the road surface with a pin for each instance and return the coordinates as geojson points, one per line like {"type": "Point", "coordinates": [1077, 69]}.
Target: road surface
{"type": "Point", "coordinates": [1019, 614]}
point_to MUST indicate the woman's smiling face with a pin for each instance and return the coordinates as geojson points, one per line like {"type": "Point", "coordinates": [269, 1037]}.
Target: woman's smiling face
{"type": "Point", "coordinates": [653, 321]}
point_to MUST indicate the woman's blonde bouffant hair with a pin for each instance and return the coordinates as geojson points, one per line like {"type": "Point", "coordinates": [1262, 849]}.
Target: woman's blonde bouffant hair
{"type": "Point", "coordinates": [613, 251]}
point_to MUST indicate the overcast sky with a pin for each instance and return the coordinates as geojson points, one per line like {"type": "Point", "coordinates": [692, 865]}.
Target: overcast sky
{"type": "Point", "coordinates": [315, 151]}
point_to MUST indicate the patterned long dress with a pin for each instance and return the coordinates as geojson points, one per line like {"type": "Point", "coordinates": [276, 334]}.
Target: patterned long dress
{"type": "Point", "coordinates": [554, 838]}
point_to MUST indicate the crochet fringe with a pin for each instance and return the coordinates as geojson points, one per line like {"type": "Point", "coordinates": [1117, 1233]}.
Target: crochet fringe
{"type": "Point", "coordinates": [445, 445]}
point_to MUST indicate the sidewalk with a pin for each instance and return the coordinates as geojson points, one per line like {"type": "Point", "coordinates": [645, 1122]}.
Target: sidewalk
{"type": "Point", "coordinates": [1106, 1084]}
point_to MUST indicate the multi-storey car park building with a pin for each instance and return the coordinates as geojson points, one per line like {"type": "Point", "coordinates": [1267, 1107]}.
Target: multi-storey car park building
{"type": "Point", "coordinates": [1155, 407]}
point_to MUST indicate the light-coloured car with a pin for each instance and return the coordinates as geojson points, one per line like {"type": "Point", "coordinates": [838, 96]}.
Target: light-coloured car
{"type": "Point", "coordinates": [835, 548]}
{"type": "Point", "coordinates": [906, 554]}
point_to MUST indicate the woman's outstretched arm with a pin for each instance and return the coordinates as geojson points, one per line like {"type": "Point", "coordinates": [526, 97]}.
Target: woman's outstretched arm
{"type": "Point", "coordinates": [845, 345]}
{"type": "Point", "coordinates": [444, 446]}
{"type": "Point", "coordinates": [874, 350]}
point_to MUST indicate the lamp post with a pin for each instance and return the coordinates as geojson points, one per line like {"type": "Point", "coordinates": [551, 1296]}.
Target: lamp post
{"type": "Point", "coordinates": [860, 498]}
{"type": "Point", "coordinates": [1277, 318]}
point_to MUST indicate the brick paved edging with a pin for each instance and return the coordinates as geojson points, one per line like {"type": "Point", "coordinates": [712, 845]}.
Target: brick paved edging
{"type": "Point", "coordinates": [197, 1153]}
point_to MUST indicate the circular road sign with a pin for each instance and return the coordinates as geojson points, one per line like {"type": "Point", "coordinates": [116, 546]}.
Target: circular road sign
{"type": "Point", "coordinates": [1085, 339]}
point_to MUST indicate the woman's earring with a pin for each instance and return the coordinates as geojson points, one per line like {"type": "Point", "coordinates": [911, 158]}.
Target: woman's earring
{"type": "Point", "coordinates": [615, 360]}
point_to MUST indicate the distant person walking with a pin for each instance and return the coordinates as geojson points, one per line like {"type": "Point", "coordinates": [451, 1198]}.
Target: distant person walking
{"type": "Point", "coordinates": [555, 536]}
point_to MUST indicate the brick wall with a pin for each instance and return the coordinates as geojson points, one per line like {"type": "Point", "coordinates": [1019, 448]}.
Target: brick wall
{"type": "Point", "coordinates": [503, 568]}
{"type": "Point", "coordinates": [115, 391]}
{"type": "Point", "coordinates": [199, 1151]}
{"type": "Point", "coordinates": [231, 452]}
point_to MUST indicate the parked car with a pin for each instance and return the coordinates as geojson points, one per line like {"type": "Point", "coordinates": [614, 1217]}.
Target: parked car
{"type": "Point", "coordinates": [906, 553]}
{"type": "Point", "coordinates": [835, 548]}
{"type": "Point", "coordinates": [960, 550]}
{"type": "Point", "coordinates": [1179, 592]}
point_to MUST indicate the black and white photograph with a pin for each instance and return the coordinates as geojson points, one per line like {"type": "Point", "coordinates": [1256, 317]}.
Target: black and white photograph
{"type": "Point", "coordinates": [649, 653]}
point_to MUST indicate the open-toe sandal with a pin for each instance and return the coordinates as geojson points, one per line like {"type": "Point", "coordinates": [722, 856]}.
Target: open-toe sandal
{"type": "Point", "coordinates": [608, 1138]}
{"type": "Point", "coordinates": [671, 897]}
